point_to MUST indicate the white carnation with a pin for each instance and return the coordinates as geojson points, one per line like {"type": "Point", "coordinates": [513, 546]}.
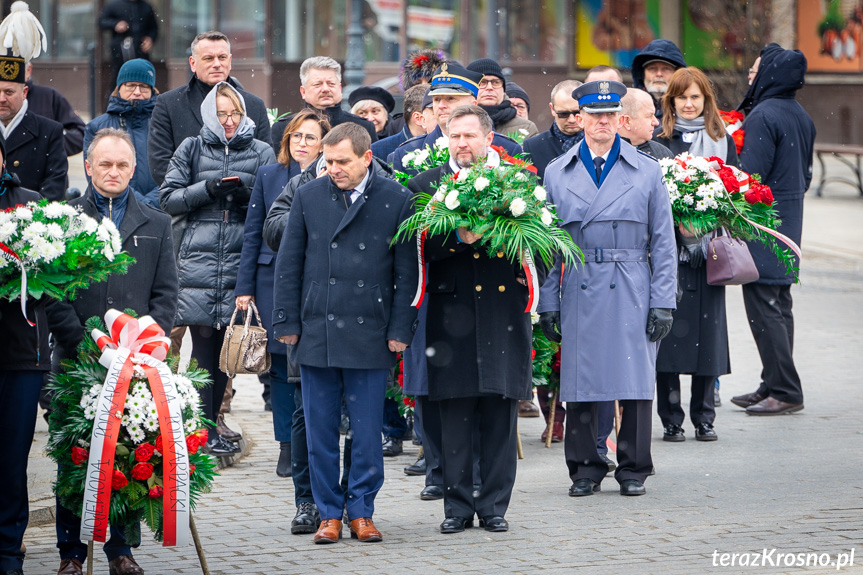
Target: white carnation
{"type": "Point", "coordinates": [546, 217]}
{"type": "Point", "coordinates": [463, 174]}
{"type": "Point", "coordinates": [517, 207]}
{"type": "Point", "coordinates": [481, 183]}
{"type": "Point", "coordinates": [520, 177]}
{"type": "Point", "coordinates": [540, 193]}
{"type": "Point", "coordinates": [439, 195]}
{"type": "Point", "coordinates": [451, 200]}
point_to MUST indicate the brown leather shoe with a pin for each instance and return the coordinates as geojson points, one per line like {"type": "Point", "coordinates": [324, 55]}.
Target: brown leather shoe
{"type": "Point", "coordinates": [747, 399]}
{"type": "Point", "coordinates": [772, 406]}
{"type": "Point", "coordinates": [70, 567]}
{"type": "Point", "coordinates": [330, 531]}
{"type": "Point", "coordinates": [364, 530]}
{"type": "Point", "coordinates": [124, 565]}
{"type": "Point", "coordinates": [527, 408]}
{"type": "Point", "coordinates": [224, 431]}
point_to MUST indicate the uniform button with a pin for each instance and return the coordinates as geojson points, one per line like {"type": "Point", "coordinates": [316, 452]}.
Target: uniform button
{"type": "Point", "coordinates": [362, 246]}
{"type": "Point", "coordinates": [500, 254]}
{"type": "Point", "coordinates": [501, 288]}
{"type": "Point", "coordinates": [334, 197]}
{"type": "Point", "coordinates": [110, 300]}
{"type": "Point", "coordinates": [478, 288]}
{"type": "Point", "coordinates": [281, 314]}
{"type": "Point", "coordinates": [331, 317]}
{"type": "Point", "coordinates": [332, 281]}
{"type": "Point", "coordinates": [612, 286]}
{"type": "Point", "coordinates": [334, 245]}
{"type": "Point", "coordinates": [476, 255]}
{"type": "Point", "coordinates": [452, 250]}
{"type": "Point", "coordinates": [614, 225]}
{"type": "Point", "coordinates": [361, 283]}
{"type": "Point", "coordinates": [583, 286]}
{"type": "Point", "coordinates": [360, 320]}
{"type": "Point", "coordinates": [16, 163]}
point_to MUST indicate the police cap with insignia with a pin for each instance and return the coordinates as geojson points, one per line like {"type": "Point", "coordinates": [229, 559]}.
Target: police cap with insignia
{"type": "Point", "coordinates": [452, 79]}
{"type": "Point", "coordinates": [599, 97]}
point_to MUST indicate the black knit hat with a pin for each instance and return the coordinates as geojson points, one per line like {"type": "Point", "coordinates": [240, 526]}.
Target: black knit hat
{"type": "Point", "coordinates": [513, 90]}
{"type": "Point", "coordinates": [373, 93]}
{"type": "Point", "coordinates": [487, 67]}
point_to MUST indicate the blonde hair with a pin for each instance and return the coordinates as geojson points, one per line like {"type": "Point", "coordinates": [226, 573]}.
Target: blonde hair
{"type": "Point", "coordinates": [229, 93]}
{"type": "Point", "coordinates": [295, 123]}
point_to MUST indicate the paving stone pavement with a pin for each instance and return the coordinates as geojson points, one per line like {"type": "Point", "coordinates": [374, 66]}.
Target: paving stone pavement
{"type": "Point", "coordinates": [787, 483]}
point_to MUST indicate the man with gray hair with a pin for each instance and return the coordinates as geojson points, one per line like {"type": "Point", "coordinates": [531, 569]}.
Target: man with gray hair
{"type": "Point", "coordinates": [321, 90]}
{"type": "Point", "coordinates": [177, 114]}
{"type": "Point", "coordinates": [564, 132]}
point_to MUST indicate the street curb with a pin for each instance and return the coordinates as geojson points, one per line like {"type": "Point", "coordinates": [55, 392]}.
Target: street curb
{"type": "Point", "coordinates": [40, 515]}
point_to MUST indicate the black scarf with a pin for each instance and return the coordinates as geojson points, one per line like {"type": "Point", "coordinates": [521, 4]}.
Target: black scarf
{"type": "Point", "coordinates": [568, 141]}
{"type": "Point", "coordinates": [500, 114]}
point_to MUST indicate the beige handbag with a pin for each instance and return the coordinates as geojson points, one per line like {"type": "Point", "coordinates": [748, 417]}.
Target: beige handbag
{"type": "Point", "coordinates": [245, 351]}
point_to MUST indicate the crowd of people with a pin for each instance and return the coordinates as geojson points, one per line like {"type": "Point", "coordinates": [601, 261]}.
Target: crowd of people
{"type": "Point", "coordinates": [223, 211]}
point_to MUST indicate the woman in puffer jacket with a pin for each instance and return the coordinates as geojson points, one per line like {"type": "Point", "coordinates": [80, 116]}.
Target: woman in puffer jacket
{"type": "Point", "coordinates": [209, 181]}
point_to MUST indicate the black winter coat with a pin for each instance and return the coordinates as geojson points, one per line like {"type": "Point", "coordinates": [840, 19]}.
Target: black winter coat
{"type": "Point", "coordinates": [335, 114]}
{"type": "Point", "coordinates": [678, 146]}
{"type": "Point", "coordinates": [177, 116]}
{"type": "Point", "coordinates": [657, 49]}
{"type": "Point", "coordinates": [209, 252]}
{"type": "Point", "coordinates": [35, 152]}
{"type": "Point", "coordinates": [132, 116]}
{"type": "Point", "coordinates": [149, 287]}
{"type": "Point", "coordinates": [141, 19]}
{"type": "Point", "coordinates": [47, 102]}
{"type": "Point", "coordinates": [24, 347]}
{"type": "Point", "coordinates": [340, 285]}
{"type": "Point", "coordinates": [778, 145]}
{"type": "Point", "coordinates": [476, 325]}
{"type": "Point", "coordinates": [543, 148]}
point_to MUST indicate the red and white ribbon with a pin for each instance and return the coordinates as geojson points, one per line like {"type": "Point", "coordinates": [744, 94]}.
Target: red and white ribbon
{"type": "Point", "coordinates": [532, 281]}
{"type": "Point", "coordinates": [136, 341]}
{"type": "Point", "coordinates": [9, 254]}
{"type": "Point", "coordinates": [421, 277]}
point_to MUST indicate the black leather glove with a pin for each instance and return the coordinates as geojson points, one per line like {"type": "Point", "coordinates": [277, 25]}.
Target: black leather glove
{"type": "Point", "coordinates": [549, 322]}
{"type": "Point", "coordinates": [692, 244]}
{"type": "Point", "coordinates": [659, 322]}
{"type": "Point", "coordinates": [217, 188]}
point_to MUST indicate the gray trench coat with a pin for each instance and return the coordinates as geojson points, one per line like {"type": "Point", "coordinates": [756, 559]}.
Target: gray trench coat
{"type": "Point", "coordinates": [606, 353]}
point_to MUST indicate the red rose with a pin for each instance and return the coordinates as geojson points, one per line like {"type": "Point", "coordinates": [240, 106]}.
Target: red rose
{"type": "Point", "coordinates": [202, 434]}
{"type": "Point", "coordinates": [752, 196]}
{"type": "Point", "coordinates": [144, 452]}
{"type": "Point", "coordinates": [118, 481]}
{"type": "Point", "coordinates": [191, 469]}
{"type": "Point", "coordinates": [156, 492]}
{"type": "Point", "coordinates": [79, 455]}
{"type": "Point", "coordinates": [158, 444]}
{"type": "Point", "coordinates": [142, 471]}
{"type": "Point", "coordinates": [766, 195]}
{"type": "Point", "coordinates": [555, 363]}
{"type": "Point", "coordinates": [193, 443]}
{"type": "Point", "coordinates": [401, 380]}
{"type": "Point", "coordinates": [718, 160]}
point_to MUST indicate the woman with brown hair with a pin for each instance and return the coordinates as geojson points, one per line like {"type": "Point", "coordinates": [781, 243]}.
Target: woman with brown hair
{"type": "Point", "coordinates": [698, 342]}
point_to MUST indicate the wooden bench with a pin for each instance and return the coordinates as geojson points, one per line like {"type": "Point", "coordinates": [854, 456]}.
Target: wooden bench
{"type": "Point", "coordinates": [841, 153]}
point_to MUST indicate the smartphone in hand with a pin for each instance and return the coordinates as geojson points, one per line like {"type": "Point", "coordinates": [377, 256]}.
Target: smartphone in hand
{"type": "Point", "coordinates": [231, 179]}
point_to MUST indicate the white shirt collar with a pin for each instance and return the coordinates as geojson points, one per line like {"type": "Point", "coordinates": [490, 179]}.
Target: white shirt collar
{"type": "Point", "coordinates": [492, 160]}
{"type": "Point", "coordinates": [358, 191]}
{"type": "Point", "coordinates": [604, 156]}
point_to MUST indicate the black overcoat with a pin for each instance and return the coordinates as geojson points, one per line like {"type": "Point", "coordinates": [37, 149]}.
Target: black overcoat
{"type": "Point", "coordinates": [149, 287]}
{"type": "Point", "coordinates": [36, 153]}
{"type": "Point", "coordinates": [478, 336]}
{"type": "Point", "coordinates": [543, 148]}
{"type": "Point", "coordinates": [340, 285]}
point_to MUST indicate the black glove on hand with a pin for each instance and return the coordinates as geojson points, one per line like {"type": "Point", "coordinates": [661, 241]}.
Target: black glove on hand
{"type": "Point", "coordinates": [549, 322]}
{"type": "Point", "coordinates": [696, 255]}
{"type": "Point", "coordinates": [659, 322]}
{"type": "Point", "coordinates": [220, 188]}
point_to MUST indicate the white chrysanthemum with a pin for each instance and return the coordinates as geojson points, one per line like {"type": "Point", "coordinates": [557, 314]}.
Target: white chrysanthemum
{"type": "Point", "coordinates": [151, 424]}
{"type": "Point", "coordinates": [190, 425]}
{"type": "Point", "coordinates": [546, 217]}
{"type": "Point", "coordinates": [83, 443]}
{"type": "Point", "coordinates": [125, 421]}
{"type": "Point", "coordinates": [517, 207]}
{"type": "Point", "coordinates": [140, 387]}
{"type": "Point", "coordinates": [136, 403]}
{"type": "Point", "coordinates": [90, 412]}
{"type": "Point", "coordinates": [442, 143]}
{"type": "Point", "coordinates": [451, 200]}
{"type": "Point", "coordinates": [534, 318]}
{"type": "Point", "coordinates": [480, 183]}
{"type": "Point", "coordinates": [7, 230]}
{"type": "Point", "coordinates": [54, 231]}
{"type": "Point", "coordinates": [86, 401]}
{"type": "Point", "coordinates": [136, 434]}
{"type": "Point", "coordinates": [700, 164]}
{"type": "Point", "coordinates": [136, 417]}
{"type": "Point", "coordinates": [108, 252]}
{"type": "Point", "coordinates": [33, 231]}
{"type": "Point", "coordinates": [54, 211]}
{"type": "Point", "coordinates": [700, 206]}
{"type": "Point", "coordinates": [88, 224]}
{"type": "Point", "coordinates": [23, 214]}
{"type": "Point", "coordinates": [96, 390]}
{"type": "Point", "coordinates": [687, 199]}
{"type": "Point", "coordinates": [540, 193]}
{"type": "Point", "coordinates": [151, 411]}
{"type": "Point", "coordinates": [666, 163]}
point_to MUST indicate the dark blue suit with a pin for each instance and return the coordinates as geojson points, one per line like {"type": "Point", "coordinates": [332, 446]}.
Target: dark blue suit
{"type": "Point", "coordinates": [383, 148]}
{"type": "Point", "coordinates": [395, 159]}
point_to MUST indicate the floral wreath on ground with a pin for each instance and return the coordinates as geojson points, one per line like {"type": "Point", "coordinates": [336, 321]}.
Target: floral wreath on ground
{"type": "Point", "coordinates": [706, 194]}
{"type": "Point", "coordinates": [137, 481]}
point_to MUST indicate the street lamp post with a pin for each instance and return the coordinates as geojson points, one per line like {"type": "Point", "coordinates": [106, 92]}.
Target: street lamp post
{"type": "Point", "coordinates": [356, 57]}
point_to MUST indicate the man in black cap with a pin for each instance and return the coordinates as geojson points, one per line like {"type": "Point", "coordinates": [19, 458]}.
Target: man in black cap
{"type": "Point", "coordinates": [35, 151]}
{"type": "Point", "coordinates": [414, 122]}
{"type": "Point", "coordinates": [452, 86]}
{"type": "Point", "coordinates": [492, 98]}
{"type": "Point", "coordinates": [375, 105]}
{"type": "Point", "coordinates": [619, 305]}
{"type": "Point", "coordinates": [564, 132]}
{"type": "Point", "coordinates": [519, 100]}
{"type": "Point", "coordinates": [653, 67]}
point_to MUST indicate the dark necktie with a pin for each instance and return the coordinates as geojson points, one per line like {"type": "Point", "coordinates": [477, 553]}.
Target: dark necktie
{"type": "Point", "coordinates": [597, 163]}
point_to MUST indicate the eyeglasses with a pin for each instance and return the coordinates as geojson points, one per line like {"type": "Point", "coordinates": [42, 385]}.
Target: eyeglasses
{"type": "Point", "coordinates": [752, 71]}
{"type": "Point", "coordinates": [135, 86]}
{"type": "Point", "coordinates": [311, 139]}
{"type": "Point", "coordinates": [564, 114]}
{"type": "Point", "coordinates": [235, 116]}
{"type": "Point", "coordinates": [491, 83]}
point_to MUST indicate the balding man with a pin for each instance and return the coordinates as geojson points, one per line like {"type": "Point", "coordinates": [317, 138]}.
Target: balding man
{"type": "Point", "coordinates": [637, 122]}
